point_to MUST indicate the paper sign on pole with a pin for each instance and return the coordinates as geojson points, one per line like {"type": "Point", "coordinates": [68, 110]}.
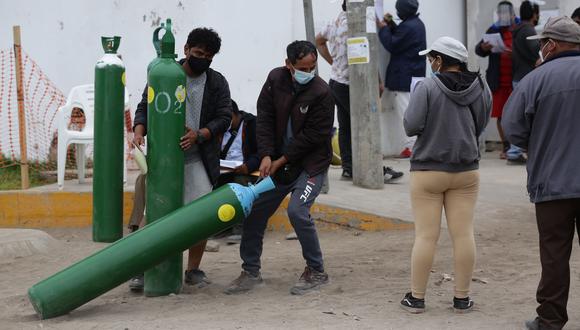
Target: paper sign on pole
{"type": "Point", "coordinates": [371, 20]}
{"type": "Point", "coordinates": [358, 50]}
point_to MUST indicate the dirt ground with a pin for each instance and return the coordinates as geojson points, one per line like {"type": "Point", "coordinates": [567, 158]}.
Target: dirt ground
{"type": "Point", "coordinates": [369, 274]}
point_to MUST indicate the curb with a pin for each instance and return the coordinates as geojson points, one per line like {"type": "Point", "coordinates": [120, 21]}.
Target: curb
{"type": "Point", "coordinates": [32, 209]}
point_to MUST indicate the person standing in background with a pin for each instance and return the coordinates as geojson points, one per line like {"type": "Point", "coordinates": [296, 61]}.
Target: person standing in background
{"type": "Point", "coordinates": [404, 42]}
{"type": "Point", "coordinates": [499, 72]}
{"type": "Point", "coordinates": [335, 34]}
{"type": "Point", "coordinates": [524, 57]}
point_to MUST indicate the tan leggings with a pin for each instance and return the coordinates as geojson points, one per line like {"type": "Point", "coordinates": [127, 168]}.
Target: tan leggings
{"type": "Point", "coordinates": [431, 192]}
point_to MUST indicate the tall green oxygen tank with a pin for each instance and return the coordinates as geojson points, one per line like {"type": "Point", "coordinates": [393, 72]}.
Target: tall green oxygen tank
{"type": "Point", "coordinates": [89, 278]}
{"type": "Point", "coordinates": [165, 126]}
{"type": "Point", "coordinates": [108, 143]}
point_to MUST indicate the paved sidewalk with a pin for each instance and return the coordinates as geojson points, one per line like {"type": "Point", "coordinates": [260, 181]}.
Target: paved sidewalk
{"type": "Point", "coordinates": [502, 186]}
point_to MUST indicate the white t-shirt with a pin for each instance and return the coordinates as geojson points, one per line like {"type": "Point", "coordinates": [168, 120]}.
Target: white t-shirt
{"type": "Point", "coordinates": [336, 33]}
{"type": "Point", "coordinates": [235, 152]}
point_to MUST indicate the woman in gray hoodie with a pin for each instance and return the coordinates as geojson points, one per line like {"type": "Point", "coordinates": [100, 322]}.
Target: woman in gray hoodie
{"type": "Point", "coordinates": [447, 112]}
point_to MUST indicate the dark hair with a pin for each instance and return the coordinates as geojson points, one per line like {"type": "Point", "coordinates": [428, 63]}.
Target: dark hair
{"type": "Point", "coordinates": [576, 13]}
{"type": "Point", "coordinates": [343, 5]}
{"type": "Point", "coordinates": [449, 61]}
{"type": "Point", "coordinates": [299, 49]}
{"type": "Point", "coordinates": [527, 10]}
{"type": "Point", "coordinates": [235, 108]}
{"type": "Point", "coordinates": [205, 38]}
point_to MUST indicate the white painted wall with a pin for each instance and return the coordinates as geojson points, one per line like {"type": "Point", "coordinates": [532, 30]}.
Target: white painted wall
{"type": "Point", "coordinates": [64, 36]}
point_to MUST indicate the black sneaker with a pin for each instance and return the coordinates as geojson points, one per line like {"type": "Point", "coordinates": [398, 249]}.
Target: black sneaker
{"type": "Point", "coordinates": [462, 305]}
{"type": "Point", "coordinates": [390, 175]}
{"type": "Point", "coordinates": [196, 277]}
{"type": "Point", "coordinates": [137, 283]}
{"type": "Point", "coordinates": [413, 305]}
{"type": "Point", "coordinates": [310, 280]}
{"type": "Point", "coordinates": [244, 283]}
{"type": "Point", "coordinates": [346, 175]}
{"type": "Point", "coordinates": [533, 324]}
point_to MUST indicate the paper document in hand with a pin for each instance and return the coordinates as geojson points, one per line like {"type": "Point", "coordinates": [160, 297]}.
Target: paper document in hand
{"type": "Point", "coordinates": [230, 163]}
{"type": "Point", "coordinates": [496, 41]}
{"type": "Point", "coordinates": [379, 9]}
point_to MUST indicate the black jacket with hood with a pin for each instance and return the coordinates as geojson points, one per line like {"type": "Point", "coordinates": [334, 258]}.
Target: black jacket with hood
{"type": "Point", "coordinates": [216, 115]}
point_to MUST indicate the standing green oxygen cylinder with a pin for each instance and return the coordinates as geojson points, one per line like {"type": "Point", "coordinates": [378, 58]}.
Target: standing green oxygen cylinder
{"type": "Point", "coordinates": [165, 126]}
{"type": "Point", "coordinates": [108, 143]}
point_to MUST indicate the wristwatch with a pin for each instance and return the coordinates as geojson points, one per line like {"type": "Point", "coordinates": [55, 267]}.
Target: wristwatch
{"type": "Point", "coordinates": [200, 137]}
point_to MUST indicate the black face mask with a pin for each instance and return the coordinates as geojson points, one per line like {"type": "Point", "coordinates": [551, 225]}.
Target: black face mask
{"type": "Point", "coordinates": [198, 65]}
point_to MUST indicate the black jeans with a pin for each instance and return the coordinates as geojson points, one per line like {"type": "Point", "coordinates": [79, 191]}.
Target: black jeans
{"type": "Point", "coordinates": [557, 221]}
{"type": "Point", "coordinates": [341, 94]}
{"type": "Point", "coordinates": [304, 191]}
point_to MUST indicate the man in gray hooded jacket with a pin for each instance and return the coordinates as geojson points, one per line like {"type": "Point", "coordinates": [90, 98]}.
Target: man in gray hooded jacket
{"type": "Point", "coordinates": [542, 116]}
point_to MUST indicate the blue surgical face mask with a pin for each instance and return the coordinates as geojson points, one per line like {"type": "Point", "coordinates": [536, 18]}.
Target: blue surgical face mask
{"type": "Point", "coordinates": [432, 73]}
{"type": "Point", "coordinates": [302, 77]}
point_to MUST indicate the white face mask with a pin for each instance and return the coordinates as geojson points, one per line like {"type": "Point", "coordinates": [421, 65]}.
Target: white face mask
{"type": "Point", "coordinates": [541, 53]}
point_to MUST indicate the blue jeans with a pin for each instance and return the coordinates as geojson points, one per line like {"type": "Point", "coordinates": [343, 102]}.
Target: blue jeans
{"type": "Point", "coordinates": [514, 152]}
{"type": "Point", "coordinates": [303, 191]}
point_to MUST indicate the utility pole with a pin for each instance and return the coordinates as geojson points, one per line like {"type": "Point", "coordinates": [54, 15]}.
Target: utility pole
{"type": "Point", "coordinates": [309, 21]}
{"type": "Point", "coordinates": [363, 71]}
{"type": "Point", "coordinates": [24, 180]}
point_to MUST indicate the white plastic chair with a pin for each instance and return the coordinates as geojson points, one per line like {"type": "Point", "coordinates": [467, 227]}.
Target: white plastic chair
{"type": "Point", "coordinates": [83, 97]}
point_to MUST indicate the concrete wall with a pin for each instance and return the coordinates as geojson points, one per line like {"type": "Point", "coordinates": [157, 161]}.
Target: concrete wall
{"type": "Point", "coordinates": [63, 36]}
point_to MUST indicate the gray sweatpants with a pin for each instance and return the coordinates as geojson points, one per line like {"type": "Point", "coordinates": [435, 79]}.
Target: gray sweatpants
{"type": "Point", "coordinates": [303, 193]}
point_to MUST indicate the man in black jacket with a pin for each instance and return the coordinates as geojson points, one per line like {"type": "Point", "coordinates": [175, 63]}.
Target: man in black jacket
{"type": "Point", "coordinates": [525, 52]}
{"type": "Point", "coordinates": [294, 129]}
{"type": "Point", "coordinates": [208, 115]}
{"type": "Point", "coordinates": [524, 57]}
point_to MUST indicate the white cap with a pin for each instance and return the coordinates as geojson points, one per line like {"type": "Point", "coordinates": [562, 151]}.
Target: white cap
{"type": "Point", "coordinates": [449, 47]}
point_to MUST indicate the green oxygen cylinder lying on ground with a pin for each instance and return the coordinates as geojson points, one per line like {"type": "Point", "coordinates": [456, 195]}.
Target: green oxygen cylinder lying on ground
{"type": "Point", "coordinates": [165, 126]}
{"type": "Point", "coordinates": [108, 143]}
{"type": "Point", "coordinates": [132, 255]}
